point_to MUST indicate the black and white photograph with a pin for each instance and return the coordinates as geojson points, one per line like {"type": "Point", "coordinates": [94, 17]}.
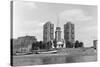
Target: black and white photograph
{"type": "Point", "coordinates": [52, 33]}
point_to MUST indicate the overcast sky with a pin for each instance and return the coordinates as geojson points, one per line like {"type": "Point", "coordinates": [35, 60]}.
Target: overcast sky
{"type": "Point", "coordinates": [29, 17]}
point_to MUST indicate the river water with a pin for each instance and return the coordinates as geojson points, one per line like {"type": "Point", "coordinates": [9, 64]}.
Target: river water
{"type": "Point", "coordinates": [23, 61]}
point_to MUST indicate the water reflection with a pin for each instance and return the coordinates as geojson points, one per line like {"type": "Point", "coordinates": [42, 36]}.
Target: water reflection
{"type": "Point", "coordinates": [68, 59]}
{"type": "Point", "coordinates": [22, 61]}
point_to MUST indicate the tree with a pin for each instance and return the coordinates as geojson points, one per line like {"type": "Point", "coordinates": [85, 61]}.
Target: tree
{"type": "Point", "coordinates": [69, 44]}
{"type": "Point", "coordinates": [62, 45]}
{"type": "Point", "coordinates": [81, 44]}
{"type": "Point", "coordinates": [49, 44]}
{"type": "Point", "coordinates": [42, 45]}
{"type": "Point", "coordinates": [76, 44]}
{"type": "Point", "coordinates": [35, 46]}
{"type": "Point", "coordinates": [55, 43]}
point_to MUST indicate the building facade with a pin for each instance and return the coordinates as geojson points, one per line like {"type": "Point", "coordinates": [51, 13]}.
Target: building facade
{"type": "Point", "coordinates": [23, 44]}
{"type": "Point", "coordinates": [58, 34]}
{"type": "Point", "coordinates": [48, 32]}
{"type": "Point", "coordinates": [69, 35]}
{"type": "Point", "coordinates": [58, 39]}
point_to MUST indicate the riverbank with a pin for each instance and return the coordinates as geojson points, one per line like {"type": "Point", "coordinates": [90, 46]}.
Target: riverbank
{"type": "Point", "coordinates": [62, 52]}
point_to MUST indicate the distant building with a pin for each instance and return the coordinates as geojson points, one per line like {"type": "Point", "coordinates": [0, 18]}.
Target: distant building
{"type": "Point", "coordinates": [69, 35]}
{"type": "Point", "coordinates": [95, 44]}
{"type": "Point", "coordinates": [48, 32]}
{"type": "Point", "coordinates": [22, 43]}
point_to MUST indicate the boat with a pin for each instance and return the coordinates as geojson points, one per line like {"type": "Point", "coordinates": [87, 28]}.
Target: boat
{"type": "Point", "coordinates": [47, 52]}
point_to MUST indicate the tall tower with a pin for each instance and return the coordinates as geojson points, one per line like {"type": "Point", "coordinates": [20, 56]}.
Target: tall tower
{"type": "Point", "coordinates": [58, 39]}
{"type": "Point", "coordinates": [69, 35]}
{"type": "Point", "coordinates": [58, 31]}
{"type": "Point", "coordinates": [58, 34]}
{"type": "Point", "coordinates": [48, 32]}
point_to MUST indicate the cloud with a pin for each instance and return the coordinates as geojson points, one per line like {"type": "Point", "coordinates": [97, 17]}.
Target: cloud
{"type": "Point", "coordinates": [33, 28]}
{"type": "Point", "coordinates": [85, 25]}
{"type": "Point", "coordinates": [75, 15]}
{"type": "Point", "coordinates": [25, 4]}
{"type": "Point", "coordinates": [31, 25]}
